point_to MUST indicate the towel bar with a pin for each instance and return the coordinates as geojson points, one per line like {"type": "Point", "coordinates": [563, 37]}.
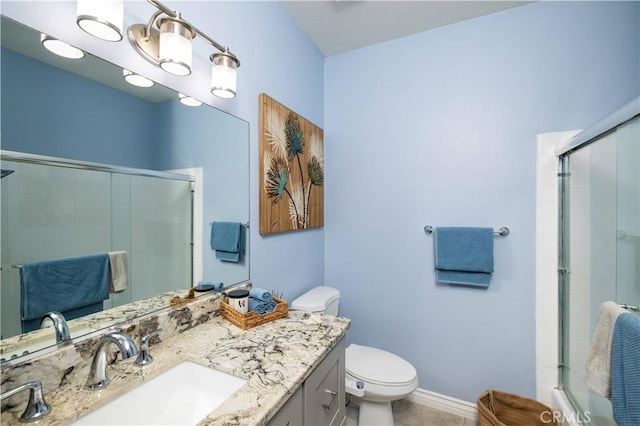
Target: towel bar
{"type": "Point", "coordinates": [18, 266]}
{"type": "Point", "coordinates": [629, 307]}
{"type": "Point", "coordinates": [246, 224]}
{"type": "Point", "coordinates": [502, 232]}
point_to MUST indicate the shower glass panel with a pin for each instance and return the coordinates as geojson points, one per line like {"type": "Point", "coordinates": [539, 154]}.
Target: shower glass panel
{"type": "Point", "coordinates": [600, 251]}
{"type": "Point", "coordinates": [163, 248]}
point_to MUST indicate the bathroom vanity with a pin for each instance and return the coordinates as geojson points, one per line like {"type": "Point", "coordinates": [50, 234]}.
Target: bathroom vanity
{"type": "Point", "coordinates": [293, 367]}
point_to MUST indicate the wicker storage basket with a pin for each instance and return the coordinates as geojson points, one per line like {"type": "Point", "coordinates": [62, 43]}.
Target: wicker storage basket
{"type": "Point", "coordinates": [251, 319]}
{"type": "Point", "coordinates": [497, 408]}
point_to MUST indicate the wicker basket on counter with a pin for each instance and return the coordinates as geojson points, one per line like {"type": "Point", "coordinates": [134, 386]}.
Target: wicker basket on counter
{"type": "Point", "coordinates": [251, 319]}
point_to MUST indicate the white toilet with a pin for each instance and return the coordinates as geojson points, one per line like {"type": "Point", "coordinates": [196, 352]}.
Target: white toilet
{"type": "Point", "coordinates": [373, 377]}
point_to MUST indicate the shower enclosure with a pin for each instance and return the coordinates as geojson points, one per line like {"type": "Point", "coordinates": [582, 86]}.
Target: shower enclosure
{"type": "Point", "coordinates": [599, 245]}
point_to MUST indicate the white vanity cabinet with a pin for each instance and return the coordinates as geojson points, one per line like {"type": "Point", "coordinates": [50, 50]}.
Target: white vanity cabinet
{"type": "Point", "coordinates": [321, 398]}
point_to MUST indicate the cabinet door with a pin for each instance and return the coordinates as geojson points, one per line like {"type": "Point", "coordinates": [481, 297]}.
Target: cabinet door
{"type": "Point", "coordinates": [324, 391]}
{"type": "Point", "coordinates": [290, 414]}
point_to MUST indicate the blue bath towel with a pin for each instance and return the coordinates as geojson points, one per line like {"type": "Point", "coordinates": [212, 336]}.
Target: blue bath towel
{"type": "Point", "coordinates": [227, 239]}
{"type": "Point", "coordinates": [70, 285]}
{"type": "Point", "coordinates": [463, 255]}
{"type": "Point", "coordinates": [625, 370]}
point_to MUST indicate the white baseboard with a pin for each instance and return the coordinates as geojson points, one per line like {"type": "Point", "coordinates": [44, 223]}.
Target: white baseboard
{"type": "Point", "coordinates": [461, 408]}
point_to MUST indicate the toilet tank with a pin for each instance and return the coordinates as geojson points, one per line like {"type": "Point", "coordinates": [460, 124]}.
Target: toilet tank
{"type": "Point", "coordinates": [319, 299]}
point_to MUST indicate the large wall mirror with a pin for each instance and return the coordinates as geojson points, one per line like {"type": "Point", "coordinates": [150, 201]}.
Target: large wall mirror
{"type": "Point", "coordinates": [112, 167]}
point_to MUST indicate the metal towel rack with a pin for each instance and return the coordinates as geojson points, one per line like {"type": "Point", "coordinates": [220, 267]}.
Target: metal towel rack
{"type": "Point", "coordinates": [246, 224]}
{"type": "Point", "coordinates": [502, 232]}
{"type": "Point", "coordinates": [631, 308]}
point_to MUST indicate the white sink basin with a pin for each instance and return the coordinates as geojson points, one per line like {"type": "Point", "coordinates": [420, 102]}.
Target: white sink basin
{"type": "Point", "coordinates": [183, 395]}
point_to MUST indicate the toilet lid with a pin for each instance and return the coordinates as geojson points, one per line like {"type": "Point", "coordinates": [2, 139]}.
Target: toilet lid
{"type": "Point", "coordinates": [377, 366]}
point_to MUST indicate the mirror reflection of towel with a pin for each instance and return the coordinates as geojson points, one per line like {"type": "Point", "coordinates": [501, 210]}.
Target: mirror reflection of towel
{"type": "Point", "coordinates": [64, 285]}
{"type": "Point", "coordinates": [227, 239]}
{"type": "Point", "coordinates": [118, 271]}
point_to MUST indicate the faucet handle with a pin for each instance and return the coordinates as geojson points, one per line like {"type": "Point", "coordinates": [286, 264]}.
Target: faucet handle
{"type": "Point", "coordinates": [37, 407]}
{"type": "Point", "coordinates": [144, 357]}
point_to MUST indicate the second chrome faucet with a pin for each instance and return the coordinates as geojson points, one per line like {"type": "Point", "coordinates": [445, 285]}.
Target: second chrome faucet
{"type": "Point", "coordinates": [98, 373]}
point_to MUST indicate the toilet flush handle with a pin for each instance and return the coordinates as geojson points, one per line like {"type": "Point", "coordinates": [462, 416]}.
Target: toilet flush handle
{"type": "Point", "coordinates": [333, 398]}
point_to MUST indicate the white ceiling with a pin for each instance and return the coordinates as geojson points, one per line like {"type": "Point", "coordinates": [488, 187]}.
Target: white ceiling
{"type": "Point", "coordinates": [337, 26]}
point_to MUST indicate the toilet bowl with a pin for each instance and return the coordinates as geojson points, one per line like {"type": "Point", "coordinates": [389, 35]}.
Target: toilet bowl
{"type": "Point", "coordinates": [374, 377]}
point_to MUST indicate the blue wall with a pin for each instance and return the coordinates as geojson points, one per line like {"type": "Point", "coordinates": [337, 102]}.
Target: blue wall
{"type": "Point", "coordinates": [277, 59]}
{"type": "Point", "coordinates": [110, 126]}
{"type": "Point", "coordinates": [205, 137]}
{"type": "Point", "coordinates": [440, 128]}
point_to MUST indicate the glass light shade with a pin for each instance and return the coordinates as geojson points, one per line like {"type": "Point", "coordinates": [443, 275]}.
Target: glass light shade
{"type": "Point", "coordinates": [224, 75]}
{"type": "Point", "coordinates": [101, 18]}
{"type": "Point", "coordinates": [136, 79]}
{"type": "Point", "coordinates": [175, 46]}
{"type": "Point", "coordinates": [60, 48]}
{"type": "Point", "coordinates": [189, 101]}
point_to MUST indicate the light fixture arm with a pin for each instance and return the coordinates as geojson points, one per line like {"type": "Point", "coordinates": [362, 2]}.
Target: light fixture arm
{"type": "Point", "coordinates": [173, 14]}
{"type": "Point", "coordinates": [153, 18]}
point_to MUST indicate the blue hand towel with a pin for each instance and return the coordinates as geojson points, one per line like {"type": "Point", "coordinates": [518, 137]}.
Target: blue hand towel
{"type": "Point", "coordinates": [270, 305]}
{"type": "Point", "coordinates": [63, 285]}
{"type": "Point", "coordinates": [227, 239]}
{"type": "Point", "coordinates": [463, 255]}
{"type": "Point", "coordinates": [260, 294]}
{"type": "Point", "coordinates": [625, 370]}
{"type": "Point", "coordinates": [257, 305]}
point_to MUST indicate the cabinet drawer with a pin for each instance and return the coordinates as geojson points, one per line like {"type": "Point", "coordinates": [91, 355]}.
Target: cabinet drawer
{"type": "Point", "coordinates": [290, 414]}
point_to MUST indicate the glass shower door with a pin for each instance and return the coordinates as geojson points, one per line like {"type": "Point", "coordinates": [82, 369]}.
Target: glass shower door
{"type": "Point", "coordinates": [628, 215]}
{"type": "Point", "coordinates": [600, 253]}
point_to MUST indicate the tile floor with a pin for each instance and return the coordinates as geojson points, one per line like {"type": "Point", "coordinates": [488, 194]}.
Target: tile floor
{"type": "Point", "coordinates": [407, 413]}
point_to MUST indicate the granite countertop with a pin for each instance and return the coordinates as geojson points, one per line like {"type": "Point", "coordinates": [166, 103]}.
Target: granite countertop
{"type": "Point", "coordinates": [275, 358]}
{"type": "Point", "coordinates": [24, 344]}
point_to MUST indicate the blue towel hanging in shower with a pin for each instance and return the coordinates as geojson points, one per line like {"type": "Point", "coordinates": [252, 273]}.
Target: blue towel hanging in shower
{"type": "Point", "coordinates": [463, 255]}
{"type": "Point", "coordinates": [625, 370]}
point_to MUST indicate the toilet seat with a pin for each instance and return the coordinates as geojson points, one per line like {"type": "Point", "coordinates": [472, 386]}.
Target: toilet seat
{"type": "Point", "coordinates": [378, 367]}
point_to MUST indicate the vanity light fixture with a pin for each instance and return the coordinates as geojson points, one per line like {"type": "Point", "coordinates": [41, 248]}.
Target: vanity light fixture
{"type": "Point", "coordinates": [175, 49]}
{"type": "Point", "coordinates": [101, 18]}
{"type": "Point", "coordinates": [188, 100]}
{"type": "Point", "coordinates": [223, 74]}
{"type": "Point", "coordinates": [60, 48]}
{"type": "Point", "coordinates": [169, 46]}
{"type": "Point", "coordinates": [136, 79]}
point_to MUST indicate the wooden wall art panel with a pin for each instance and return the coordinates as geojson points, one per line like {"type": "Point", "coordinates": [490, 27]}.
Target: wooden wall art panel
{"type": "Point", "coordinates": [291, 170]}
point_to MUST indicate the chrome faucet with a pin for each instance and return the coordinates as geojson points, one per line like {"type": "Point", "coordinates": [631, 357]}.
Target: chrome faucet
{"type": "Point", "coordinates": [60, 325]}
{"type": "Point", "coordinates": [98, 372]}
{"type": "Point", "coordinates": [37, 407]}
